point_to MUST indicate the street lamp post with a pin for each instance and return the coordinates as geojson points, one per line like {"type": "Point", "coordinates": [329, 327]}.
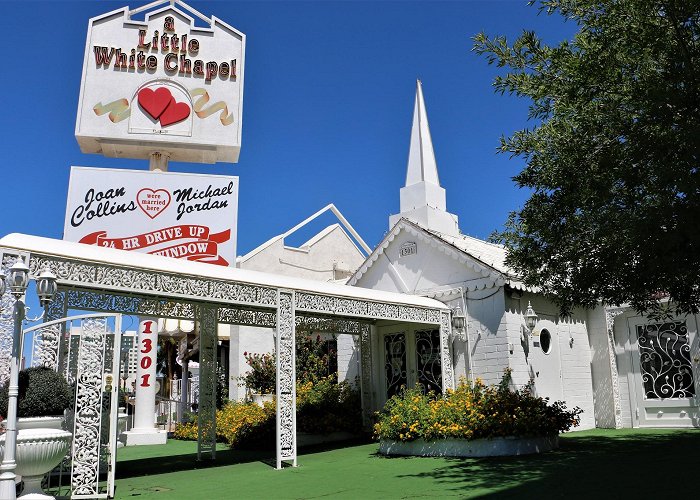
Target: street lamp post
{"type": "Point", "coordinates": [18, 280]}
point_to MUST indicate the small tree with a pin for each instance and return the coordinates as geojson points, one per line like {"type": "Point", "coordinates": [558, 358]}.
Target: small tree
{"type": "Point", "coordinates": [261, 376]}
{"type": "Point", "coordinates": [612, 158]}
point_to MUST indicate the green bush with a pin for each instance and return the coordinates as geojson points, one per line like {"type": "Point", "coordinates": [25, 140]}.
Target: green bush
{"type": "Point", "coordinates": [473, 411]}
{"type": "Point", "coordinates": [42, 392]}
{"type": "Point", "coordinates": [325, 406]}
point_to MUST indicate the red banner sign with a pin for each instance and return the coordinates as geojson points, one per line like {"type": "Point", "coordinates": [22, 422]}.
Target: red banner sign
{"type": "Point", "coordinates": [204, 248]}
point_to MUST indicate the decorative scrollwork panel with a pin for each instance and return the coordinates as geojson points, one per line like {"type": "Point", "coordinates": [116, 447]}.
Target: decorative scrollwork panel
{"type": "Point", "coordinates": [7, 303]}
{"type": "Point", "coordinates": [366, 374]}
{"type": "Point", "coordinates": [329, 325]}
{"type": "Point", "coordinates": [206, 437]}
{"type": "Point", "coordinates": [46, 346]}
{"type": "Point", "coordinates": [286, 380]}
{"type": "Point", "coordinates": [144, 282]}
{"type": "Point", "coordinates": [610, 315]}
{"type": "Point", "coordinates": [88, 408]}
{"type": "Point", "coordinates": [251, 317]}
{"type": "Point", "coordinates": [664, 353]}
{"type": "Point", "coordinates": [448, 379]}
{"type": "Point", "coordinates": [325, 304]}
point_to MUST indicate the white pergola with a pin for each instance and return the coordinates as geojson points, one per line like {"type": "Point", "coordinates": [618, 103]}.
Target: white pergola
{"type": "Point", "coordinates": [107, 280]}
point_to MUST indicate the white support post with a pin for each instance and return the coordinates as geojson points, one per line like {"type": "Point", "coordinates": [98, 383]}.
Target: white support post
{"type": "Point", "coordinates": [448, 379]}
{"type": "Point", "coordinates": [144, 430]}
{"type": "Point", "coordinates": [286, 426]}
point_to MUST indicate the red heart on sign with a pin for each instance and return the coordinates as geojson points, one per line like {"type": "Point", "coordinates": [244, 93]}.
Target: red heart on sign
{"type": "Point", "coordinates": [175, 112]}
{"type": "Point", "coordinates": [153, 201]}
{"type": "Point", "coordinates": [155, 102]}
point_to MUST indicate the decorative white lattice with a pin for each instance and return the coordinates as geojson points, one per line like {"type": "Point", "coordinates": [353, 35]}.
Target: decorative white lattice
{"type": "Point", "coordinates": [251, 317]}
{"type": "Point", "coordinates": [206, 417]}
{"type": "Point", "coordinates": [286, 380]}
{"type": "Point", "coordinates": [326, 304]}
{"type": "Point", "coordinates": [366, 375]}
{"type": "Point", "coordinates": [123, 279]}
{"type": "Point", "coordinates": [448, 379]}
{"type": "Point", "coordinates": [7, 303]}
{"type": "Point", "coordinates": [610, 315]}
{"type": "Point", "coordinates": [330, 325]}
{"type": "Point", "coordinates": [88, 404]}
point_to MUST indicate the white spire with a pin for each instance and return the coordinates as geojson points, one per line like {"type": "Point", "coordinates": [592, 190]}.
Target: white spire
{"type": "Point", "coordinates": [421, 157]}
{"type": "Point", "coordinates": [422, 199]}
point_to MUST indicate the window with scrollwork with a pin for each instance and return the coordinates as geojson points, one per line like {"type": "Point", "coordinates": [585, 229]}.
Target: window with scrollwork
{"type": "Point", "coordinates": [664, 353]}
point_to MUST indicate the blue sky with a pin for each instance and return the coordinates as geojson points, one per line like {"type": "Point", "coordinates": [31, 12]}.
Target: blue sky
{"type": "Point", "coordinates": [328, 101]}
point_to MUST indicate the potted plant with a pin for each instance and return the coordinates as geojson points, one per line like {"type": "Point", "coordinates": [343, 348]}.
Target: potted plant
{"type": "Point", "coordinates": [44, 395]}
{"type": "Point", "coordinates": [261, 378]}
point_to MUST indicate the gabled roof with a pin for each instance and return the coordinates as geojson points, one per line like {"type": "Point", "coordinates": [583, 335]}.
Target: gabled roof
{"type": "Point", "coordinates": [330, 207]}
{"type": "Point", "coordinates": [485, 258]}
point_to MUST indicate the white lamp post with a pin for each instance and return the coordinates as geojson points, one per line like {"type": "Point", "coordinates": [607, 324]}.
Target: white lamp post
{"type": "Point", "coordinates": [18, 280]}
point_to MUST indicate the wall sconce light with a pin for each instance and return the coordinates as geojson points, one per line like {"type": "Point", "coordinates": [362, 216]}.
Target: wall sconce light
{"type": "Point", "coordinates": [530, 319]}
{"type": "Point", "coordinates": [458, 323]}
{"type": "Point", "coordinates": [571, 341]}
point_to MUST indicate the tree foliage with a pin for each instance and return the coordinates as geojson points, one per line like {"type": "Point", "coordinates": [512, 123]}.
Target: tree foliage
{"type": "Point", "coordinates": [612, 156]}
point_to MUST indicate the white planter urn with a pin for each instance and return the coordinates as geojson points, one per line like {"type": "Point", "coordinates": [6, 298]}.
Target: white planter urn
{"type": "Point", "coordinates": [39, 449]}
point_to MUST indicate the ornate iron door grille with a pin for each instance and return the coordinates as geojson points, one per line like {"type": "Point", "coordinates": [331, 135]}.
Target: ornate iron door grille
{"type": "Point", "coordinates": [395, 363]}
{"type": "Point", "coordinates": [428, 360]}
{"type": "Point", "coordinates": [664, 353]}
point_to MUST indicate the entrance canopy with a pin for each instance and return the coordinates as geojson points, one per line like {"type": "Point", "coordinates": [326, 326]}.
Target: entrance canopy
{"type": "Point", "coordinates": [103, 279]}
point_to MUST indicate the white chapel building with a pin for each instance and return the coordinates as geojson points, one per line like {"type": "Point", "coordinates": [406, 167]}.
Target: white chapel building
{"type": "Point", "coordinates": [623, 370]}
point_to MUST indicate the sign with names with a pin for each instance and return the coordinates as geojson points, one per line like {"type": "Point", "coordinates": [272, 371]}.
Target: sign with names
{"type": "Point", "coordinates": [171, 83]}
{"type": "Point", "coordinates": [184, 216]}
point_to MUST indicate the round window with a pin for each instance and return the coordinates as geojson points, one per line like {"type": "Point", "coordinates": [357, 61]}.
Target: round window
{"type": "Point", "coordinates": [546, 341]}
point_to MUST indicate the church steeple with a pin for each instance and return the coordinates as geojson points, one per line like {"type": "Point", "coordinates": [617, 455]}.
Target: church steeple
{"type": "Point", "coordinates": [422, 199]}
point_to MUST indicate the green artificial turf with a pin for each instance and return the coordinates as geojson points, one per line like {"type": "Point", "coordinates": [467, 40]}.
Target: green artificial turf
{"type": "Point", "coordinates": [589, 464]}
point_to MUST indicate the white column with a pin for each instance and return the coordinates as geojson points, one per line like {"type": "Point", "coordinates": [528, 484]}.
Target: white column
{"type": "Point", "coordinates": [184, 390]}
{"type": "Point", "coordinates": [144, 430]}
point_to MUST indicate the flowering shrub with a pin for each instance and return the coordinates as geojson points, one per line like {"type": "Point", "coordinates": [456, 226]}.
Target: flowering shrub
{"type": "Point", "coordinates": [325, 406]}
{"type": "Point", "coordinates": [261, 377]}
{"type": "Point", "coordinates": [322, 408]}
{"type": "Point", "coordinates": [473, 411]}
{"type": "Point", "coordinates": [186, 431]}
{"type": "Point", "coordinates": [240, 424]}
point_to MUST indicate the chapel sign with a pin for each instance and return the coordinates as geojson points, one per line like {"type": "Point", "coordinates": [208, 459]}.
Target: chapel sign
{"type": "Point", "coordinates": [162, 84]}
{"type": "Point", "coordinates": [183, 216]}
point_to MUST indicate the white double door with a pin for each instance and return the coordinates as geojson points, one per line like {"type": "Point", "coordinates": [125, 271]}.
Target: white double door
{"type": "Point", "coordinates": [664, 378]}
{"type": "Point", "coordinates": [411, 356]}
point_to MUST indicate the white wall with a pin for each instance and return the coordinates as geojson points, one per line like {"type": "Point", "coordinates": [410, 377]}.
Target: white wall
{"type": "Point", "coordinates": [332, 256]}
{"type": "Point", "coordinates": [246, 339]}
{"type": "Point", "coordinates": [488, 334]}
{"type": "Point", "coordinates": [348, 359]}
{"type": "Point", "coordinates": [568, 377]}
